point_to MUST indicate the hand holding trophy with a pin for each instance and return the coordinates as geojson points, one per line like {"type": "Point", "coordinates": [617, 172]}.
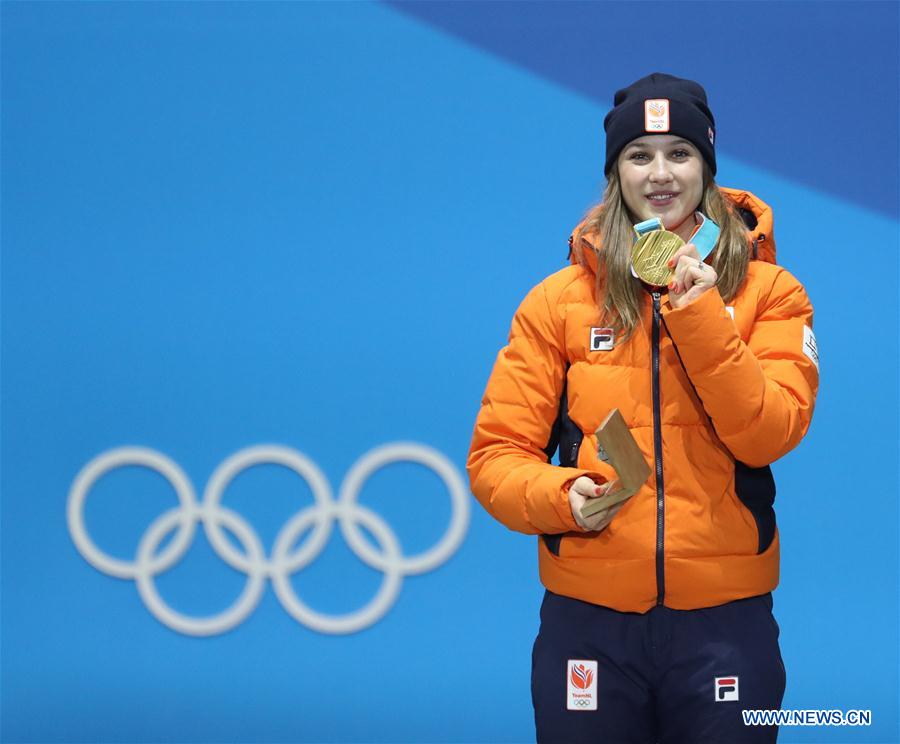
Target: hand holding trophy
{"type": "Point", "coordinates": [583, 492]}
{"type": "Point", "coordinates": [594, 506]}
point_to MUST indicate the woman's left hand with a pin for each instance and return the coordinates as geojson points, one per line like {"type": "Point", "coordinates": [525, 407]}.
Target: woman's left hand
{"type": "Point", "coordinates": [692, 276]}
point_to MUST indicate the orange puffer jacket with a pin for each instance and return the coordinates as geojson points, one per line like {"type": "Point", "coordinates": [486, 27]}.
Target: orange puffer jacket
{"type": "Point", "coordinates": [712, 394]}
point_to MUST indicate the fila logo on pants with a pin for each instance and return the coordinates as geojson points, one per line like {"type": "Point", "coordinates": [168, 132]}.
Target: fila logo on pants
{"type": "Point", "coordinates": [726, 689]}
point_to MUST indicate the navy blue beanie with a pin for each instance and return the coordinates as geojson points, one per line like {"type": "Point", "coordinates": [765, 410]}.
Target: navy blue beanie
{"type": "Point", "coordinates": [660, 104]}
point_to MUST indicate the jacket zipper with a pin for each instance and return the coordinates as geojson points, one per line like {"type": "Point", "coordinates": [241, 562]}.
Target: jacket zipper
{"type": "Point", "coordinates": [657, 448]}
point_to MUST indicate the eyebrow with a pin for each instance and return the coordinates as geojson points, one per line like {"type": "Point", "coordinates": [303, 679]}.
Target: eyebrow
{"type": "Point", "coordinates": [671, 144]}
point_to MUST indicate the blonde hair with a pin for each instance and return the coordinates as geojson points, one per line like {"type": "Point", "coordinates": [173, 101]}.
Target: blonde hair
{"type": "Point", "coordinates": [618, 288]}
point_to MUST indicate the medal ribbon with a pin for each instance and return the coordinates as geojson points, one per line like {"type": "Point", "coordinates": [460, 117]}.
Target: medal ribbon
{"type": "Point", "coordinates": [704, 236]}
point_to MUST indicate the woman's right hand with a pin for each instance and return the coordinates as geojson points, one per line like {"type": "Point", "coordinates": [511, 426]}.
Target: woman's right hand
{"type": "Point", "coordinates": [582, 489]}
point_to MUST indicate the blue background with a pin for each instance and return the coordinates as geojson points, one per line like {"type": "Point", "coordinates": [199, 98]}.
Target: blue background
{"type": "Point", "coordinates": [310, 224]}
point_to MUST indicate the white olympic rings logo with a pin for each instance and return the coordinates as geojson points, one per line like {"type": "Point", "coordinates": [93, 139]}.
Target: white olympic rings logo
{"type": "Point", "coordinates": [253, 562]}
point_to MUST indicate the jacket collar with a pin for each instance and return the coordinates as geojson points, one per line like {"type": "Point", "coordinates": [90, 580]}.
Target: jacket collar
{"type": "Point", "coordinates": [762, 239]}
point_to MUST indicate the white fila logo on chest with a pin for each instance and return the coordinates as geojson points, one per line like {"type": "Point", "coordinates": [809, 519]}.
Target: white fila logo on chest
{"type": "Point", "coordinates": [602, 339]}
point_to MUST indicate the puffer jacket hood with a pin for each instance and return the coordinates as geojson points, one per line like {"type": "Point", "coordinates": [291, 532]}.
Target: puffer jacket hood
{"type": "Point", "coordinates": [756, 213]}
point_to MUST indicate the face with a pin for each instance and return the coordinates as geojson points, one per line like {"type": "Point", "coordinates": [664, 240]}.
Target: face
{"type": "Point", "coordinates": [669, 167]}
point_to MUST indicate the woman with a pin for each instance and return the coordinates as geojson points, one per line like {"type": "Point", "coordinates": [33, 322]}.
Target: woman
{"type": "Point", "coordinates": [656, 624]}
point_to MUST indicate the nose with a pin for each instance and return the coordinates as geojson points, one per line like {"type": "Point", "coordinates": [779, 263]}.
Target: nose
{"type": "Point", "coordinates": [659, 169]}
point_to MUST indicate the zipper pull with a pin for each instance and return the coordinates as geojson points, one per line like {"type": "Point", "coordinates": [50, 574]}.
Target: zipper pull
{"type": "Point", "coordinates": [656, 296]}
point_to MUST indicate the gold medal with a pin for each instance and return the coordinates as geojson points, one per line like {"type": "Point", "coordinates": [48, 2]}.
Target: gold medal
{"type": "Point", "coordinates": [650, 256]}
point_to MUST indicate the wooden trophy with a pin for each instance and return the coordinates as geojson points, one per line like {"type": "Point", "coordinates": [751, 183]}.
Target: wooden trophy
{"type": "Point", "coordinates": [625, 456]}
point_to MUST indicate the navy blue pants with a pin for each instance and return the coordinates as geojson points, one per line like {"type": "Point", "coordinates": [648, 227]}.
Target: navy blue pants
{"type": "Point", "coordinates": [664, 676]}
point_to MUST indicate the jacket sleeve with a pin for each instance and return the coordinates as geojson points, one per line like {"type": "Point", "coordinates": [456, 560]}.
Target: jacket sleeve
{"type": "Point", "coordinates": [508, 467]}
{"type": "Point", "coordinates": [760, 395]}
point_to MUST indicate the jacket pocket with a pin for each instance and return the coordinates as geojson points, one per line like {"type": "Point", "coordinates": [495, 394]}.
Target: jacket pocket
{"type": "Point", "coordinates": [755, 487]}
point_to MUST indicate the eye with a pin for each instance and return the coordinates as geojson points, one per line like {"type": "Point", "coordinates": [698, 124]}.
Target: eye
{"type": "Point", "coordinates": [681, 153]}
{"type": "Point", "coordinates": [637, 155]}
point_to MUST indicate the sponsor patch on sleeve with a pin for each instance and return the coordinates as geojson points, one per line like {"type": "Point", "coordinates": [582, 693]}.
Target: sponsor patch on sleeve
{"type": "Point", "coordinates": [809, 346]}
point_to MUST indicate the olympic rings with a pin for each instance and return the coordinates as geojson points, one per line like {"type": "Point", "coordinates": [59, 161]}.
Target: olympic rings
{"type": "Point", "coordinates": [253, 561]}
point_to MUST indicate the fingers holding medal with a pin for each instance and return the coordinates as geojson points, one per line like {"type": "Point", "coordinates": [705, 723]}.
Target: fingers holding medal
{"type": "Point", "coordinates": [691, 275]}
{"type": "Point", "coordinates": [662, 259]}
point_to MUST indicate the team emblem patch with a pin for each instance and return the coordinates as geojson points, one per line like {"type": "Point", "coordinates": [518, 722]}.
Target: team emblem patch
{"type": "Point", "coordinates": [726, 689]}
{"type": "Point", "coordinates": [602, 339]}
{"type": "Point", "coordinates": [656, 115]}
{"type": "Point", "coordinates": [581, 684]}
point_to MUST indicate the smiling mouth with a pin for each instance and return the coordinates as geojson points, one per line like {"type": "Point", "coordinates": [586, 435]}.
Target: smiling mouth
{"type": "Point", "coordinates": [660, 202]}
